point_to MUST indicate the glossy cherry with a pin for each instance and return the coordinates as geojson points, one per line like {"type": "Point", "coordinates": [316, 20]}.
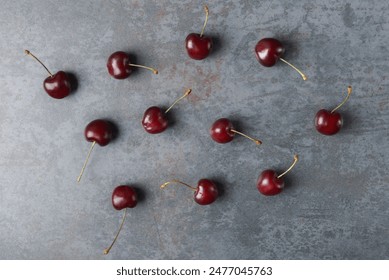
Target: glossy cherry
{"type": "Point", "coordinates": [269, 50]}
{"type": "Point", "coordinates": [100, 132]}
{"type": "Point", "coordinates": [205, 193]}
{"type": "Point", "coordinates": [197, 45]}
{"type": "Point", "coordinates": [57, 85]}
{"type": "Point", "coordinates": [270, 183]}
{"type": "Point", "coordinates": [222, 131]}
{"type": "Point", "coordinates": [330, 122]}
{"type": "Point", "coordinates": [120, 67]}
{"type": "Point", "coordinates": [123, 197]}
{"type": "Point", "coordinates": [154, 119]}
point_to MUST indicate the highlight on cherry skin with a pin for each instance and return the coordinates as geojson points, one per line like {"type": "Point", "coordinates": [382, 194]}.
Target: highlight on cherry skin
{"type": "Point", "coordinates": [98, 131]}
{"type": "Point", "coordinates": [155, 120]}
{"type": "Point", "coordinates": [123, 197]}
{"type": "Point", "coordinates": [205, 193]}
{"type": "Point", "coordinates": [330, 122]}
{"type": "Point", "coordinates": [269, 50]}
{"type": "Point", "coordinates": [270, 183]}
{"type": "Point", "coordinates": [199, 46]}
{"type": "Point", "coordinates": [56, 85]}
{"type": "Point", "coordinates": [222, 131]}
{"type": "Point", "coordinates": [120, 67]}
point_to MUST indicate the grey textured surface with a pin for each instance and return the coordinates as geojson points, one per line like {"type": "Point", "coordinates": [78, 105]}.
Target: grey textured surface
{"type": "Point", "coordinates": [335, 205]}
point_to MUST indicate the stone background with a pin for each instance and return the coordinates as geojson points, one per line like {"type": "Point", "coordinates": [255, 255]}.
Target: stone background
{"type": "Point", "coordinates": [335, 204]}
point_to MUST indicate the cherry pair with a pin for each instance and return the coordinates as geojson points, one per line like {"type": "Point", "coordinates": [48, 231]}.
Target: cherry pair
{"type": "Point", "coordinates": [101, 131]}
{"type": "Point", "coordinates": [268, 51]}
{"type": "Point", "coordinates": [269, 183]}
{"type": "Point", "coordinates": [58, 85]}
{"type": "Point", "coordinates": [125, 196]}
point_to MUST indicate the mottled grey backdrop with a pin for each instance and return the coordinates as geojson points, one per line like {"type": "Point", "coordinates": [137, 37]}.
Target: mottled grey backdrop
{"type": "Point", "coordinates": [335, 204]}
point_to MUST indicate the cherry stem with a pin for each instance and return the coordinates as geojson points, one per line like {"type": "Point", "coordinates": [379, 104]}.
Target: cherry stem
{"type": "Point", "coordinates": [295, 68]}
{"type": "Point", "coordinates": [206, 10]}
{"type": "Point", "coordinates": [27, 52]}
{"type": "Point", "coordinates": [296, 158]}
{"type": "Point", "coordinates": [256, 141]}
{"type": "Point", "coordinates": [187, 92]}
{"type": "Point", "coordinates": [155, 71]}
{"type": "Point", "coordinates": [106, 251]}
{"type": "Point", "coordinates": [86, 161]}
{"type": "Point", "coordinates": [176, 181]}
{"type": "Point", "coordinates": [349, 91]}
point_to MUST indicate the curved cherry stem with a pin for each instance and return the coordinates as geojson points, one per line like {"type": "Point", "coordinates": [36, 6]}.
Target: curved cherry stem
{"type": "Point", "coordinates": [206, 10]}
{"type": "Point", "coordinates": [178, 182]}
{"type": "Point", "coordinates": [155, 71]}
{"type": "Point", "coordinates": [349, 91]}
{"type": "Point", "coordinates": [295, 68]}
{"type": "Point", "coordinates": [106, 251]}
{"type": "Point", "coordinates": [27, 52]}
{"type": "Point", "coordinates": [296, 158]}
{"type": "Point", "coordinates": [86, 161]}
{"type": "Point", "coordinates": [187, 92]}
{"type": "Point", "coordinates": [256, 141]}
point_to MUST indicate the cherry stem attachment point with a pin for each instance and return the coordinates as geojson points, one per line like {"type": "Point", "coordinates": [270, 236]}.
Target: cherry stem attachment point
{"type": "Point", "coordinates": [295, 68]}
{"type": "Point", "coordinates": [187, 92]}
{"type": "Point", "coordinates": [155, 71]}
{"type": "Point", "coordinates": [178, 182]}
{"type": "Point", "coordinates": [106, 251]}
{"type": "Point", "coordinates": [27, 52]}
{"type": "Point", "coordinates": [256, 141]}
{"type": "Point", "coordinates": [86, 161]}
{"type": "Point", "coordinates": [296, 158]}
{"type": "Point", "coordinates": [206, 10]}
{"type": "Point", "coordinates": [349, 91]}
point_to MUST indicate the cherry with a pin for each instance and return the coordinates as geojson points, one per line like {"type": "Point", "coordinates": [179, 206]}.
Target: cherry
{"type": "Point", "coordinates": [57, 85]}
{"type": "Point", "coordinates": [269, 183]}
{"type": "Point", "coordinates": [197, 45]}
{"type": "Point", "coordinates": [269, 50]}
{"type": "Point", "coordinates": [100, 132]}
{"type": "Point", "coordinates": [330, 122]}
{"type": "Point", "coordinates": [123, 197]}
{"type": "Point", "coordinates": [119, 65]}
{"type": "Point", "coordinates": [154, 119]}
{"type": "Point", "coordinates": [205, 193]}
{"type": "Point", "coordinates": [223, 132]}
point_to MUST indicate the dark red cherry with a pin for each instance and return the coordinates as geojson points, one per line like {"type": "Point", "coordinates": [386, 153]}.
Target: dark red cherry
{"type": "Point", "coordinates": [205, 193]}
{"type": "Point", "coordinates": [328, 123]}
{"type": "Point", "coordinates": [223, 132]}
{"type": "Point", "coordinates": [99, 131]}
{"type": "Point", "coordinates": [154, 120]}
{"type": "Point", "coordinates": [124, 197]}
{"type": "Point", "coordinates": [268, 51]}
{"type": "Point", "coordinates": [57, 85]}
{"type": "Point", "coordinates": [270, 183]}
{"type": "Point", "coordinates": [118, 65]}
{"type": "Point", "coordinates": [198, 47]}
